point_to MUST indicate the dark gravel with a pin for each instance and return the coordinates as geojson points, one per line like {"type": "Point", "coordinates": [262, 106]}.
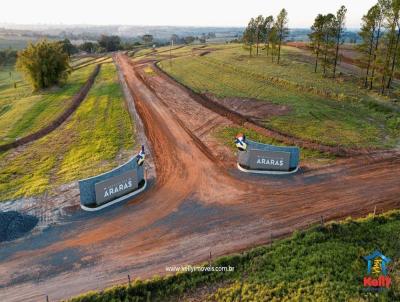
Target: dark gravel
{"type": "Point", "coordinates": [14, 225]}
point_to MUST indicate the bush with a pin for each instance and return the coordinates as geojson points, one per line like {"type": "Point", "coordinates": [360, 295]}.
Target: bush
{"type": "Point", "coordinates": [44, 64]}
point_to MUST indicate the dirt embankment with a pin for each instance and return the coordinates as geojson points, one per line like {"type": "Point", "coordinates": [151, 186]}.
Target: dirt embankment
{"type": "Point", "coordinates": [75, 102]}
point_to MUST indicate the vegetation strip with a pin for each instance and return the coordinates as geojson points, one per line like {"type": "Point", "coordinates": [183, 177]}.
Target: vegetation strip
{"type": "Point", "coordinates": [77, 99]}
{"type": "Point", "coordinates": [239, 119]}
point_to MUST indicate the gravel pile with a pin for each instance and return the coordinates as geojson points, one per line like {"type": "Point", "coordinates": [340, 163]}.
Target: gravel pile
{"type": "Point", "coordinates": [14, 225]}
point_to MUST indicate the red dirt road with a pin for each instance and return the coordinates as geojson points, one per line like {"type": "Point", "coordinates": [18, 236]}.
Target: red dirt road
{"type": "Point", "coordinates": [194, 206]}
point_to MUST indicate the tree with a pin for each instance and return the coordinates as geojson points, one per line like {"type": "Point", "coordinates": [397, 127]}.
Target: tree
{"type": "Point", "coordinates": [394, 27]}
{"type": "Point", "coordinates": [45, 64]}
{"type": "Point", "coordinates": [8, 56]}
{"type": "Point", "coordinates": [68, 47]}
{"type": "Point", "coordinates": [175, 38]}
{"type": "Point", "coordinates": [281, 29]}
{"type": "Point", "coordinates": [370, 31]}
{"type": "Point", "coordinates": [339, 26]}
{"type": "Point", "coordinates": [274, 39]}
{"type": "Point", "coordinates": [317, 37]}
{"type": "Point", "coordinates": [88, 47]}
{"type": "Point", "coordinates": [110, 43]}
{"type": "Point", "coordinates": [259, 27]}
{"type": "Point", "coordinates": [147, 39]}
{"type": "Point", "coordinates": [188, 39]}
{"type": "Point", "coordinates": [268, 23]}
{"type": "Point", "coordinates": [379, 22]}
{"type": "Point", "coordinates": [328, 43]}
{"type": "Point", "coordinates": [249, 35]}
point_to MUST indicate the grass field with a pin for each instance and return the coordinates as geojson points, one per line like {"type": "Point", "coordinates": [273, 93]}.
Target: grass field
{"type": "Point", "coordinates": [333, 112]}
{"type": "Point", "coordinates": [92, 141]}
{"type": "Point", "coordinates": [176, 50]}
{"type": "Point", "coordinates": [23, 112]}
{"type": "Point", "coordinates": [324, 263]}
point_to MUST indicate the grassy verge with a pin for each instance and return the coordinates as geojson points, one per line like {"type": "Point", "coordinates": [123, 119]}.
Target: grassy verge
{"type": "Point", "coordinates": [87, 144]}
{"type": "Point", "coordinates": [320, 264]}
{"type": "Point", "coordinates": [332, 112]}
{"type": "Point", "coordinates": [227, 134]}
{"type": "Point", "coordinates": [24, 112]}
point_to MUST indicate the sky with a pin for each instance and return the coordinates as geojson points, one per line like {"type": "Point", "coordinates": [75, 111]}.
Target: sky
{"type": "Point", "coordinates": [173, 12]}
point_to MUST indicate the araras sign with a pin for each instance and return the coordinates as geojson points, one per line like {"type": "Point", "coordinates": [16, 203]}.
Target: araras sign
{"type": "Point", "coordinates": [377, 271]}
{"type": "Point", "coordinates": [269, 160]}
{"type": "Point", "coordinates": [254, 157]}
{"type": "Point", "coordinates": [116, 186]}
{"type": "Point", "coordinates": [119, 184]}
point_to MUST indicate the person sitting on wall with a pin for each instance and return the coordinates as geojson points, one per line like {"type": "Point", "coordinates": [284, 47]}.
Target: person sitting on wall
{"type": "Point", "coordinates": [240, 142]}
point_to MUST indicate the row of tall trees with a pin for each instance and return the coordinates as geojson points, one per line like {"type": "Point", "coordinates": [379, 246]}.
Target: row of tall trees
{"type": "Point", "coordinates": [380, 45]}
{"type": "Point", "coordinates": [269, 32]}
{"type": "Point", "coordinates": [326, 37]}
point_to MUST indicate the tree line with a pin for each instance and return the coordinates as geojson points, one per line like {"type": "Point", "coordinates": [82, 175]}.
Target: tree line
{"type": "Point", "coordinates": [269, 32]}
{"type": "Point", "coordinates": [326, 37]}
{"type": "Point", "coordinates": [380, 33]}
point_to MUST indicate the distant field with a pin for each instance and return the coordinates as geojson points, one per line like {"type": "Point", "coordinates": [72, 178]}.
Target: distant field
{"type": "Point", "coordinates": [84, 146]}
{"type": "Point", "coordinates": [333, 112]}
{"type": "Point", "coordinates": [23, 112]}
{"type": "Point", "coordinates": [14, 42]}
{"type": "Point", "coordinates": [176, 50]}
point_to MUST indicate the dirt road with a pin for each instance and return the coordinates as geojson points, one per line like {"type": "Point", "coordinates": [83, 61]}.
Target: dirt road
{"type": "Point", "coordinates": [196, 205]}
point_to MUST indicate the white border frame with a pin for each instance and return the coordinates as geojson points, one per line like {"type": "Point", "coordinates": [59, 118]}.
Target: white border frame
{"type": "Point", "coordinates": [267, 172]}
{"type": "Point", "coordinates": [122, 198]}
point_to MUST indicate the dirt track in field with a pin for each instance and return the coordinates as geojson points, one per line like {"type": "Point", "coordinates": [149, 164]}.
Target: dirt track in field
{"type": "Point", "coordinates": [197, 204]}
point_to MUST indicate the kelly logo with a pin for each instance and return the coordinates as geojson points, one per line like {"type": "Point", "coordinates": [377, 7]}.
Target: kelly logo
{"type": "Point", "coordinates": [377, 271]}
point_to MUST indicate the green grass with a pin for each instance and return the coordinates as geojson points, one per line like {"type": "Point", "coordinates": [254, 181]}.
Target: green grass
{"type": "Point", "coordinates": [87, 144]}
{"type": "Point", "coordinates": [27, 112]}
{"type": "Point", "coordinates": [227, 134]}
{"type": "Point", "coordinates": [319, 264]}
{"type": "Point", "coordinates": [332, 112]}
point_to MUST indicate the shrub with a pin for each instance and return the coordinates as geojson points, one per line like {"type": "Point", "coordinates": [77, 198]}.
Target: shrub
{"type": "Point", "coordinates": [44, 64]}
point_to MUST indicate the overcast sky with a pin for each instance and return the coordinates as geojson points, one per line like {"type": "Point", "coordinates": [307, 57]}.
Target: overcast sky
{"type": "Point", "coordinates": [173, 12]}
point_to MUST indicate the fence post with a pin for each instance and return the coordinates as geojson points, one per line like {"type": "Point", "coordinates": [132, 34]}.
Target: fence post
{"type": "Point", "coordinates": [209, 259]}
{"type": "Point", "coordinates": [374, 211]}
{"type": "Point", "coordinates": [270, 239]}
{"type": "Point", "coordinates": [322, 220]}
{"type": "Point", "coordinates": [129, 280]}
{"type": "Point", "coordinates": [47, 298]}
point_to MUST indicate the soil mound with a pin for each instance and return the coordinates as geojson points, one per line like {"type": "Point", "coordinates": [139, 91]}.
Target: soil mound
{"type": "Point", "coordinates": [256, 109]}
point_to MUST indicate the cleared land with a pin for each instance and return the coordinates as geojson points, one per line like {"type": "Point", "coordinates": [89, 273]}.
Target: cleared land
{"type": "Point", "coordinates": [87, 144]}
{"type": "Point", "coordinates": [23, 112]}
{"type": "Point", "coordinates": [332, 112]}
